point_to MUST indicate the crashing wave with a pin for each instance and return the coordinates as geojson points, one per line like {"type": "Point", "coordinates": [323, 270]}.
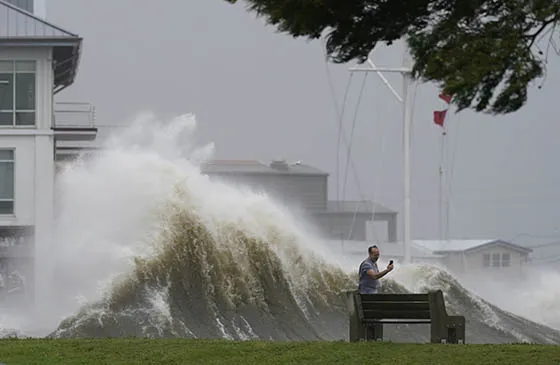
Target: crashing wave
{"type": "Point", "coordinates": [163, 251]}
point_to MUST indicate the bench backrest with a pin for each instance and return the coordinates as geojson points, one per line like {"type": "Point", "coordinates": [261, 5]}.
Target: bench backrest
{"type": "Point", "coordinates": [393, 306]}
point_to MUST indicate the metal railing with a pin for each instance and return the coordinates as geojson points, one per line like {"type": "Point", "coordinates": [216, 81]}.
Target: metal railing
{"type": "Point", "coordinates": [74, 115]}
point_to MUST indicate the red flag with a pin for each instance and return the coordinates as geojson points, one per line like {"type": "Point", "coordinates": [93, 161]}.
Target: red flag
{"type": "Point", "coordinates": [447, 98]}
{"type": "Point", "coordinates": [439, 117]}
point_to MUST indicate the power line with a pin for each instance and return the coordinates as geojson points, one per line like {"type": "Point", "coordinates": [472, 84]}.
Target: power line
{"type": "Point", "coordinates": [342, 135]}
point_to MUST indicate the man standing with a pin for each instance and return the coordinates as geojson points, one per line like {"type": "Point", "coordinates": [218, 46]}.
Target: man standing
{"type": "Point", "coordinates": [369, 274]}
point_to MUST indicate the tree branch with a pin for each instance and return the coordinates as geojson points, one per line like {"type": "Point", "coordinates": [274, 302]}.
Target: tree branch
{"type": "Point", "coordinates": [533, 37]}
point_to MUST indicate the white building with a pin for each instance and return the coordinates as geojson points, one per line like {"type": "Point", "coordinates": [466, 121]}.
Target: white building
{"type": "Point", "coordinates": [37, 61]}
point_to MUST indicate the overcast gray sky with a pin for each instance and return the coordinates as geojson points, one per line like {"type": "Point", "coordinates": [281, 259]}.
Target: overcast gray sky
{"type": "Point", "coordinates": [261, 95]}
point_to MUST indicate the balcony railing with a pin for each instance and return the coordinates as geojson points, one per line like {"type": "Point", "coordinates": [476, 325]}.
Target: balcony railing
{"type": "Point", "coordinates": [74, 115]}
{"type": "Point", "coordinates": [74, 121]}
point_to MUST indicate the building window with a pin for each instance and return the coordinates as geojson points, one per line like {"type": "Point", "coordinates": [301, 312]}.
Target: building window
{"type": "Point", "coordinates": [506, 260]}
{"type": "Point", "coordinates": [495, 260]}
{"type": "Point", "coordinates": [486, 260]}
{"type": "Point", "coordinates": [17, 93]}
{"type": "Point", "coordinates": [7, 180]}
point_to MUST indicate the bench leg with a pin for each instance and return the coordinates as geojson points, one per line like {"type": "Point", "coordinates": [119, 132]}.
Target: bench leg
{"type": "Point", "coordinates": [455, 326]}
{"type": "Point", "coordinates": [435, 332]}
{"type": "Point", "coordinates": [449, 329]}
{"type": "Point", "coordinates": [357, 331]}
{"type": "Point", "coordinates": [378, 331]}
{"type": "Point", "coordinates": [374, 332]}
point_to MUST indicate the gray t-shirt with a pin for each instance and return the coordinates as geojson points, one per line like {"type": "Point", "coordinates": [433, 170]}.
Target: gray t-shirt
{"type": "Point", "coordinates": [367, 284]}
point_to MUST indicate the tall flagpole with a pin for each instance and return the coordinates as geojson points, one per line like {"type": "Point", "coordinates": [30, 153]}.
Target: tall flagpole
{"type": "Point", "coordinates": [407, 131]}
{"type": "Point", "coordinates": [406, 152]}
{"type": "Point", "coordinates": [406, 72]}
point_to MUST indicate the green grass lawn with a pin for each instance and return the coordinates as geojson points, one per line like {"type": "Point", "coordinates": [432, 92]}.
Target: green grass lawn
{"type": "Point", "coordinates": [178, 351]}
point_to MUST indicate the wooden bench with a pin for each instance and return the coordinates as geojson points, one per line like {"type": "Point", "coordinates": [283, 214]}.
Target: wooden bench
{"type": "Point", "coordinates": [368, 313]}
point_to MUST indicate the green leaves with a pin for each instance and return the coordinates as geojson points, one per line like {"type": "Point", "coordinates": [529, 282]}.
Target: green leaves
{"type": "Point", "coordinates": [481, 51]}
{"type": "Point", "coordinates": [483, 57]}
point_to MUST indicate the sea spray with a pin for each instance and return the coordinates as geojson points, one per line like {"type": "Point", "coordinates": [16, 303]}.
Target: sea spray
{"type": "Point", "coordinates": [149, 246]}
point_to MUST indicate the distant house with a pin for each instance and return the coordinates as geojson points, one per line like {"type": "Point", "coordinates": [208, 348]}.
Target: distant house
{"type": "Point", "coordinates": [305, 187]}
{"type": "Point", "coordinates": [498, 257]}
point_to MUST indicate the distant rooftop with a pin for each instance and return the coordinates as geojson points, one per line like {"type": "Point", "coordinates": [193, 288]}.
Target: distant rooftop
{"type": "Point", "coordinates": [442, 246]}
{"type": "Point", "coordinates": [363, 207]}
{"type": "Point", "coordinates": [252, 167]}
{"type": "Point", "coordinates": [19, 28]}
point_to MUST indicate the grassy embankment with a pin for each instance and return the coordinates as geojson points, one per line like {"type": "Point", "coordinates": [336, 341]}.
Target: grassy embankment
{"type": "Point", "coordinates": [176, 351]}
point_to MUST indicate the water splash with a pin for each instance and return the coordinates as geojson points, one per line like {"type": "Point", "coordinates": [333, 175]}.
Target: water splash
{"type": "Point", "coordinates": [148, 246]}
{"type": "Point", "coordinates": [536, 296]}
